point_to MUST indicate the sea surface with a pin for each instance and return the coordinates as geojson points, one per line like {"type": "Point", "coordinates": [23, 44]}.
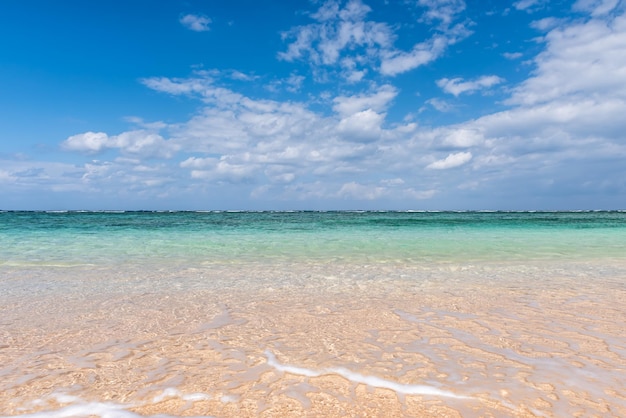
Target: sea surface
{"type": "Point", "coordinates": [348, 313]}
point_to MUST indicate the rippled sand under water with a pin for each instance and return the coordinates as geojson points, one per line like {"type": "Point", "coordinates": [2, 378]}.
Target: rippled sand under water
{"type": "Point", "coordinates": [317, 340]}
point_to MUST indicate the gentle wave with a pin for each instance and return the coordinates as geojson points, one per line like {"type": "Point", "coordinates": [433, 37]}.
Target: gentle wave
{"type": "Point", "coordinates": [373, 381]}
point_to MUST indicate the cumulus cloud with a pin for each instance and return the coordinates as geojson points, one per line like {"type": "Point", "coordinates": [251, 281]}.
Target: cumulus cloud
{"type": "Point", "coordinates": [457, 86]}
{"type": "Point", "coordinates": [377, 101]}
{"type": "Point", "coordinates": [451, 161]}
{"type": "Point", "coordinates": [90, 142]}
{"type": "Point", "coordinates": [444, 11]}
{"type": "Point", "coordinates": [336, 31]}
{"type": "Point", "coordinates": [361, 126]}
{"type": "Point", "coordinates": [581, 58]}
{"type": "Point", "coordinates": [563, 120]}
{"type": "Point", "coordinates": [342, 37]}
{"type": "Point", "coordinates": [461, 136]}
{"type": "Point", "coordinates": [196, 23]}
{"type": "Point", "coordinates": [566, 117]}
{"type": "Point", "coordinates": [226, 171]}
{"type": "Point", "coordinates": [139, 142]}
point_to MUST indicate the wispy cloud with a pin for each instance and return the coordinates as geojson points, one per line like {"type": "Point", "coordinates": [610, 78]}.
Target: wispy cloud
{"type": "Point", "coordinates": [457, 86]}
{"type": "Point", "coordinates": [597, 7]}
{"type": "Point", "coordinates": [512, 55]}
{"type": "Point", "coordinates": [439, 105]}
{"type": "Point", "coordinates": [529, 5]}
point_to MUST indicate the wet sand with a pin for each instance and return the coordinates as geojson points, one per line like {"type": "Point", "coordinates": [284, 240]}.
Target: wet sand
{"type": "Point", "coordinates": [467, 342]}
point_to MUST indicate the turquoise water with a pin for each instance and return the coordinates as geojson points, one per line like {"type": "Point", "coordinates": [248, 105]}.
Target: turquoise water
{"type": "Point", "coordinates": [75, 238]}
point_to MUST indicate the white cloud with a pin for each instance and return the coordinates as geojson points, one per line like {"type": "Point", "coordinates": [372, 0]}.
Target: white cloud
{"type": "Point", "coordinates": [342, 37]}
{"type": "Point", "coordinates": [443, 10]}
{"type": "Point", "coordinates": [144, 143]}
{"type": "Point", "coordinates": [358, 191]}
{"type": "Point", "coordinates": [393, 182]}
{"type": "Point", "coordinates": [338, 30]}
{"type": "Point", "coordinates": [194, 162]}
{"type": "Point", "coordinates": [196, 23]}
{"type": "Point", "coordinates": [152, 126]}
{"type": "Point", "coordinates": [451, 161]}
{"type": "Point", "coordinates": [457, 86]}
{"type": "Point", "coordinates": [439, 105]}
{"type": "Point", "coordinates": [361, 126]}
{"type": "Point", "coordinates": [378, 101]}
{"type": "Point", "coordinates": [354, 76]}
{"type": "Point", "coordinates": [582, 58]}
{"type": "Point", "coordinates": [512, 55]}
{"type": "Point", "coordinates": [238, 75]}
{"type": "Point", "coordinates": [294, 82]}
{"type": "Point", "coordinates": [6, 176]}
{"type": "Point", "coordinates": [139, 142]}
{"type": "Point", "coordinates": [90, 142]}
{"type": "Point", "coordinates": [596, 7]}
{"type": "Point", "coordinates": [419, 194]}
{"type": "Point", "coordinates": [529, 5]}
{"type": "Point", "coordinates": [397, 62]}
{"type": "Point", "coordinates": [547, 23]}
{"type": "Point", "coordinates": [563, 120]}
{"type": "Point", "coordinates": [461, 136]}
{"type": "Point", "coordinates": [200, 86]}
{"type": "Point", "coordinates": [43, 177]}
{"type": "Point", "coordinates": [178, 86]}
{"type": "Point", "coordinates": [227, 171]}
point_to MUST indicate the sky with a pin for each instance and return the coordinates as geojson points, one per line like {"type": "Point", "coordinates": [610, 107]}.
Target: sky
{"type": "Point", "coordinates": [313, 105]}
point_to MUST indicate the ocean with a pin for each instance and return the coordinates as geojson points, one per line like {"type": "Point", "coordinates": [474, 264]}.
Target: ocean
{"type": "Point", "coordinates": [304, 313]}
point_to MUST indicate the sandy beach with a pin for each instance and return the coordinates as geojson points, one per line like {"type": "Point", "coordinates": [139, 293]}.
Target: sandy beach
{"type": "Point", "coordinates": [339, 346]}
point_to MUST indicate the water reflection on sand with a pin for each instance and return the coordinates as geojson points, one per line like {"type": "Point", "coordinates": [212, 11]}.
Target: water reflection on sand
{"type": "Point", "coordinates": [315, 340]}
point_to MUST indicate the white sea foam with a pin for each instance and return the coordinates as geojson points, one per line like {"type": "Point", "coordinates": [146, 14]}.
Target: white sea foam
{"type": "Point", "coordinates": [97, 409]}
{"type": "Point", "coordinates": [175, 393]}
{"type": "Point", "coordinates": [373, 381]}
{"type": "Point", "coordinates": [79, 408]}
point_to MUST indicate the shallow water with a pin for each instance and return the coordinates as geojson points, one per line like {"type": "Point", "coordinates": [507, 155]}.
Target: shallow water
{"type": "Point", "coordinates": [312, 314]}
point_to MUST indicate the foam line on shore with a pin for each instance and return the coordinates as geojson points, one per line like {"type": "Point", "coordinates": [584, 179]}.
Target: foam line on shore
{"type": "Point", "coordinates": [79, 408]}
{"type": "Point", "coordinates": [373, 381]}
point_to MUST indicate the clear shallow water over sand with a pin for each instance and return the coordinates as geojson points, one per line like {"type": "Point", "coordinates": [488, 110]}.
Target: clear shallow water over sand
{"type": "Point", "coordinates": [312, 314]}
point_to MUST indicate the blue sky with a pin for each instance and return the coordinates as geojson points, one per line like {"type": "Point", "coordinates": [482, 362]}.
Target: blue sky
{"type": "Point", "coordinates": [372, 104]}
